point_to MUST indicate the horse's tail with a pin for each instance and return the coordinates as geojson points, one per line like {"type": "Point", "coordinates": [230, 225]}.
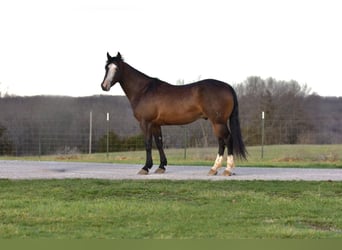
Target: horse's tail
{"type": "Point", "coordinates": [239, 148]}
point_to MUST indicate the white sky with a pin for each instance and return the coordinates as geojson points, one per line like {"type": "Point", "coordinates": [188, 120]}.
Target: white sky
{"type": "Point", "coordinates": [59, 47]}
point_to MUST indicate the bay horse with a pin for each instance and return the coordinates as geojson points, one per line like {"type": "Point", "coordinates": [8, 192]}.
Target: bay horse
{"type": "Point", "coordinates": [156, 103]}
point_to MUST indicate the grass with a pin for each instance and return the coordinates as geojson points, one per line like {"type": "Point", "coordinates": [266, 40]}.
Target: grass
{"type": "Point", "coordinates": [103, 209]}
{"type": "Point", "coordinates": [317, 156]}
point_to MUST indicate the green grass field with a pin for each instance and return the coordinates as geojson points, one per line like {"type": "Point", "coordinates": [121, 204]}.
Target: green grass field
{"type": "Point", "coordinates": [316, 156]}
{"type": "Point", "coordinates": [103, 209]}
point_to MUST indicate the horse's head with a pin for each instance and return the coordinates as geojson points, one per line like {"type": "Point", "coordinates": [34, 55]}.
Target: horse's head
{"type": "Point", "coordinates": [112, 75]}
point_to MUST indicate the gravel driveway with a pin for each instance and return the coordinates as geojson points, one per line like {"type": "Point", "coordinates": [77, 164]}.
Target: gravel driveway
{"type": "Point", "coordinates": [63, 170]}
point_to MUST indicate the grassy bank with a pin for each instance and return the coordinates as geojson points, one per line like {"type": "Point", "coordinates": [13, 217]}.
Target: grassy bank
{"type": "Point", "coordinates": [329, 156]}
{"type": "Point", "coordinates": [83, 209]}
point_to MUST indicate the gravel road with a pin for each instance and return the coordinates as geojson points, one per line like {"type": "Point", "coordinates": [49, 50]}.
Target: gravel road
{"type": "Point", "coordinates": [64, 170]}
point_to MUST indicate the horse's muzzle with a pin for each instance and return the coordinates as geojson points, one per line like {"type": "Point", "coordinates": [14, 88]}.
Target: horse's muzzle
{"type": "Point", "coordinates": [104, 87]}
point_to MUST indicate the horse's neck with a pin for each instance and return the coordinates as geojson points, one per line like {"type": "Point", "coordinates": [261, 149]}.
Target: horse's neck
{"type": "Point", "coordinates": [133, 82]}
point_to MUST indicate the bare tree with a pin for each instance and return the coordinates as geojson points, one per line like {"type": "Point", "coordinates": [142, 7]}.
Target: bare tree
{"type": "Point", "coordinates": [282, 103]}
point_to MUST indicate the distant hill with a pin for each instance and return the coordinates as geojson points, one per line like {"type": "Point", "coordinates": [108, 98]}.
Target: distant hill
{"type": "Point", "coordinates": [52, 124]}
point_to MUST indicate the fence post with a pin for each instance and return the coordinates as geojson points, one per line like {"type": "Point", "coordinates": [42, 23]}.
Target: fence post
{"type": "Point", "coordinates": [107, 134]}
{"type": "Point", "coordinates": [90, 130]}
{"type": "Point", "coordinates": [262, 133]}
{"type": "Point", "coordinates": [39, 146]}
{"type": "Point", "coordinates": [185, 141]}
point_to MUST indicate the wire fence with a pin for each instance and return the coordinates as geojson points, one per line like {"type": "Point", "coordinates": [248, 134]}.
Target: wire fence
{"type": "Point", "coordinates": [54, 137]}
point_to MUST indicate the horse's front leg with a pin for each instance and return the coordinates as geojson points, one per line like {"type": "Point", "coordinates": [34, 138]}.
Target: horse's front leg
{"type": "Point", "coordinates": [147, 130]}
{"type": "Point", "coordinates": [158, 138]}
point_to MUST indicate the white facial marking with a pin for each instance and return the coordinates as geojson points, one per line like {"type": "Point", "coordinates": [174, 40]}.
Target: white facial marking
{"type": "Point", "coordinates": [110, 75]}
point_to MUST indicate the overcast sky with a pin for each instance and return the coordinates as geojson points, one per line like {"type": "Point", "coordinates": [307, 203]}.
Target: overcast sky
{"type": "Point", "coordinates": [59, 47]}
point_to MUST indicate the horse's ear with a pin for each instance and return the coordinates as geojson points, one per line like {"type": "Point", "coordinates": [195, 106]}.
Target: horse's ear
{"type": "Point", "coordinates": [108, 56]}
{"type": "Point", "coordinates": [118, 56]}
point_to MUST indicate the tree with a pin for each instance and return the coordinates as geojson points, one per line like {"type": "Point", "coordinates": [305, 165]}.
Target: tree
{"type": "Point", "coordinates": [283, 104]}
{"type": "Point", "coordinates": [6, 146]}
{"type": "Point", "coordinates": [117, 144]}
{"type": "Point", "coordinates": [2, 92]}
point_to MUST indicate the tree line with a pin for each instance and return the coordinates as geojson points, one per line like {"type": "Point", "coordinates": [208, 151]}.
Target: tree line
{"type": "Point", "coordinates": [60, 124]}
{"type": "Point", "coordinates": [293, 114]}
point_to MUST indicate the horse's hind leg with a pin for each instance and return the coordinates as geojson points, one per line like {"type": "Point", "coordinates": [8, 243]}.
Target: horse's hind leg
{"type": "Point", "coordinates": [225, 139]}
{"type": "Point", "coordinates": [230, 158]}
{"type": "Point", "coordinates": [221, 131]}
{"type": "Point", "coordinates": [158, 138]}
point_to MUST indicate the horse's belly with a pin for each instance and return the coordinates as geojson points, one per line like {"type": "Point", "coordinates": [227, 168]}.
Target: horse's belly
{"type": "Point", "coordinates": [178, 117]}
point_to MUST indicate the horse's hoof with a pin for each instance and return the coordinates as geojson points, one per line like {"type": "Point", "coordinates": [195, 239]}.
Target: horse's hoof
{"type": "Point", "coordinates": [227, 173]}
{"type": "Point", "coordinates": [160, 171]}
{"type": "Point", "coordinates": [212, 172]}
{"type": "Point", "coordinates": [143, 172]}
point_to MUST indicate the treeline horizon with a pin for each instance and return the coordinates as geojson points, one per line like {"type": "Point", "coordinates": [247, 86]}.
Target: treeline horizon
{"type": "Point", "coordinates": [50, 124]}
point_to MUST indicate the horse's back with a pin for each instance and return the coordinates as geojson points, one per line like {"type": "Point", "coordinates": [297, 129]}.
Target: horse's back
{"type": "Point", "coordinates": [213, 85]}
{"type": "Point", "coordinates": [211, 98]}
{"type": "Point", "coordinates": [212, 95]}
{"type": "Point", "coordinates": [214, 89]}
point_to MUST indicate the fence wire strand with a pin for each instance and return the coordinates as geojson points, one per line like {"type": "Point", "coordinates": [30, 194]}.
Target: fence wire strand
{"type": "Point", "coordinates": [51, 137]}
